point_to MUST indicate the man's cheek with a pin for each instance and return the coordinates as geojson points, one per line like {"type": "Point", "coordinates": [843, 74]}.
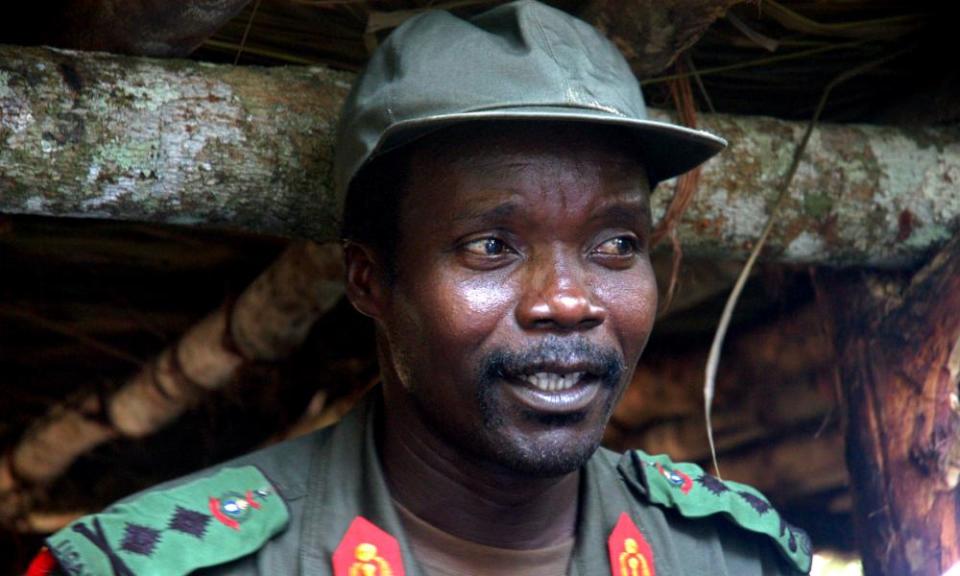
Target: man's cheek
{"type": "Point", "coordinates": [633, 308]}
{"type": "Point", "coordinates": [475, 304]}
{"type": "Point", "coordinates": [487, 298]}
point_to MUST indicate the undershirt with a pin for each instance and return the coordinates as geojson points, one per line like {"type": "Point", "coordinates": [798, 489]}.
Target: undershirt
{"type": "Point", "coordinates": [442, 554]}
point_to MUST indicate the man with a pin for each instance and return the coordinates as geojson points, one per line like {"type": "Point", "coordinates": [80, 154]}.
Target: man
{"type": "Point", "coordinates": [496, 175]}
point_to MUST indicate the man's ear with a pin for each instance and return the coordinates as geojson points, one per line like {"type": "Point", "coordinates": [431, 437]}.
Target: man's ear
{"type": "Point", "coordinates": [365, 279]}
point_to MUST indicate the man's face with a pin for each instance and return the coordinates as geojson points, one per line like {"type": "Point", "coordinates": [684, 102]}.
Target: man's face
{"type": "Point", "coordinates": [524, 295]}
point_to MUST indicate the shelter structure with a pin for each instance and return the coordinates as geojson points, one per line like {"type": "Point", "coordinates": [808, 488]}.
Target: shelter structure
{"type": "Point", "coordinates": [170, 298]}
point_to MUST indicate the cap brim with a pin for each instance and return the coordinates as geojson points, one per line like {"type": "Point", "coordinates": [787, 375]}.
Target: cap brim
{"type": "Point", "coordinates": [666, 150]}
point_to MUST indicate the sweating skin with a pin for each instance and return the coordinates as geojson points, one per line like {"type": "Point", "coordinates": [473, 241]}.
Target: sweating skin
{"type": "Point", "coordinates": [522, 258]}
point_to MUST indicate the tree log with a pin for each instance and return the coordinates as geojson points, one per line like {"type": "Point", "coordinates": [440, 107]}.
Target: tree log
{"type": "Point", "coordinates": [103, 136]}
{"type": "Point", "coordinates": [899, 362]}
{"type": "Point", "coordinates": [794, 467]}
{"type": "Point", "coordinates": [764, 410]}
{"type": "Point", "coordinates": [267, 321]}
{"type": "Point", "coordinates": [771, 370]}
{"type": "Point", "coordinates": [95, 135]}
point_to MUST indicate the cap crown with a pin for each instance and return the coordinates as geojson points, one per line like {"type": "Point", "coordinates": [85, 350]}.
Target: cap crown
{"type": "Point", "coordinates": [521, 61]}
{"type": "Point", "coordinates": [519, 55]}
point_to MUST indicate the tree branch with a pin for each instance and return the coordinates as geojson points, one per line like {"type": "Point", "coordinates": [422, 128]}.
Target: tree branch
{"type": "Point", "coordinates": [100, 136]}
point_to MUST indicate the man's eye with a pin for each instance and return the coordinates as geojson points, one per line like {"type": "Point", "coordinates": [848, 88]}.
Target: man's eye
{"type": "Point", "coordinates": [487, 247]}
{"type": "Point", "coordinates": [619, 246]}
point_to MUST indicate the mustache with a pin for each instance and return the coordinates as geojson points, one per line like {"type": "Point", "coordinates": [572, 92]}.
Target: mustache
{"type": "Point", "coordinates": [555, 353]}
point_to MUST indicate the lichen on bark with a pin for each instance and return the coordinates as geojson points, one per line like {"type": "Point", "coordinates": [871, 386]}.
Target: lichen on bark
{"type": "Point", "coordinates": [95, 135]}
{"type": "Point", "coordinates": [863, 194]}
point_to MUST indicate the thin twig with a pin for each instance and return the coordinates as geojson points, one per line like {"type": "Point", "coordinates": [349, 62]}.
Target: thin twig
{"type": "Point", "coordinates": [878, 28]}
{"type": "Point", "coordinates": [259, 51]}
{"type": "Point", "coordinates": [685, 190]}
{"type": "Point", "coordinates": [246, 31]}
{"type": "Point", "coordinates": [757, 62]}
{"type": "Point", "coordinates": [70, 332]}
{"type": "Point", "coordinates": [713, 360]}
{"type": "Point", "coordinates": [688, 59]}
{"type": "Point", "coordinates": [762, 40]}
{"type": "Point", "coordinates": [676, 260]}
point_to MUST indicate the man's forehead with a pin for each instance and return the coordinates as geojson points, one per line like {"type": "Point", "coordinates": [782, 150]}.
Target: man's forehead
{"type": "Point", "coordinates": [487, 199]}
{"type": "Point", "coordinates": [489, 211]}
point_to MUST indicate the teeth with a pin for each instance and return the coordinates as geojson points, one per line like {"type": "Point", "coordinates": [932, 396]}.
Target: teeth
{"type": "Point", "coordinates": [553, 382]}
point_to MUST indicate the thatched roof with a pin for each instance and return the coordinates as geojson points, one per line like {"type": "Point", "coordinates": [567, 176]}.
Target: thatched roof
{"type": "Point", "coordinates": [763, 57]}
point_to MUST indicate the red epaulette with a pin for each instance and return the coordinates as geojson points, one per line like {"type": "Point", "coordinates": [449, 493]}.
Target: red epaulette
{"type": "Point", "coordinates": [43, 564]}
{"type": "Point", "coordinates": [366, 549]}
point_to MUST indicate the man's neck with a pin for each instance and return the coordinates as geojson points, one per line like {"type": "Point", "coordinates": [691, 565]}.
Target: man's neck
{"type": "Point", "coordinates": [474, 500]}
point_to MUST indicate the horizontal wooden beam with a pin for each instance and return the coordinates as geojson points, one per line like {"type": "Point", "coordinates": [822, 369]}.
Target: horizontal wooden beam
{"type": "Point", "coordinates": [103, 136]}
{"type": "Point", "coordinates": [170, 141]}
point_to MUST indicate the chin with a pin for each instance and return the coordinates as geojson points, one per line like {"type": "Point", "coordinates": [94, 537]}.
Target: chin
{"type": "Point", "coordinates": [525, 444]}
{"type": "Point", "coordinates": [557, 455]}
{"type": "Point", "coordinates": [549, 444]}
{"type": "Point", "coordinates": [538, 444]}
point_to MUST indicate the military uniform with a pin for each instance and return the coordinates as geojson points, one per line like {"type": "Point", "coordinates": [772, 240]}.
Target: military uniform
{"type": "Point", "coordinates": [314, 488]}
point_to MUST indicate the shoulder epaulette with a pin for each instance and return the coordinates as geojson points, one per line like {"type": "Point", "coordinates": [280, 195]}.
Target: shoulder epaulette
{"type": "Point", "coordinates": [177, 530]}
{"type": "Point", "coordinates": [693, 493]}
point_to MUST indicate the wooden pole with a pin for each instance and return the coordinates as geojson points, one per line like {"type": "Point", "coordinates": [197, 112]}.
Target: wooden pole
{"type": "Point", "coordinates": [103, 136]}
{"type": "Point", "coordinates": [898, 350]}
{"type": "Point", "coordinates": [266, 323]}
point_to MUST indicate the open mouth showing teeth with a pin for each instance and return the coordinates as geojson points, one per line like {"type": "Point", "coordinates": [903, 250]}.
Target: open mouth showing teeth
{"type": "Point", "coordinates": [554, 391]}
{"type": "Point", "coordinates": [553, 382]}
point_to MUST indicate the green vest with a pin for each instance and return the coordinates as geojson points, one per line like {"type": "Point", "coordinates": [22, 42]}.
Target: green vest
{"type": "Point", "coordinates": [312, 488]}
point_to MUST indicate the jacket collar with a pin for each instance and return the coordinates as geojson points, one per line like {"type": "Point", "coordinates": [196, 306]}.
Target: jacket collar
{"type": "Point", "coordinates": [346, 480]}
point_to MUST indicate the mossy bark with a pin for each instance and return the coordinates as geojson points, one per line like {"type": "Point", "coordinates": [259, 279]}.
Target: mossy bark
{"type": "Point", "coordinates": [101, 136]}
{"type": "Point", "coordinates": [96, 135]}
{"type": "Point", "coordinates": [863, 194]}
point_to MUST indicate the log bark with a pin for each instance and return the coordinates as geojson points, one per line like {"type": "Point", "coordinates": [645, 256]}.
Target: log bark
{"type": "Point", "coordinates": [103, 136]}
{"type": "Point", "coordinates": [267, 321]}
{"type": "Point", "coordinates": [898, 348]}
{"type": "Point", "coordinates": [775, 370]}
{"type": "Point", "coordinates": [94, 135]}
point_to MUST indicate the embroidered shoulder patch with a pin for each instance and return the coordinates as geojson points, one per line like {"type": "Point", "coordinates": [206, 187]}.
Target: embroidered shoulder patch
{"type": "Point", "coordinates": [202, 523]}
{"type": "Point", "coordinates": [695, 494]}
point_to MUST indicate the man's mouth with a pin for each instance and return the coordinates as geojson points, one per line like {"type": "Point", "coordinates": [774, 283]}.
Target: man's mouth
{"type": "Point", "coordinates": [553, 382]}
{"type": "Point", "coordinates": [561, 377]}
{"type": "Point", "coordinates": [554, 391]}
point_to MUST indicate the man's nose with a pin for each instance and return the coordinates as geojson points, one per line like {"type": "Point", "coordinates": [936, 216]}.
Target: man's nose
{"type": "Point", "coordinates": [557, 296]}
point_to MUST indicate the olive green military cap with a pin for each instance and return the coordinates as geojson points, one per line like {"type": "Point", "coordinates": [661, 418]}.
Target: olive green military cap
{"type": "Point", "coordinates": [519, 61]}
